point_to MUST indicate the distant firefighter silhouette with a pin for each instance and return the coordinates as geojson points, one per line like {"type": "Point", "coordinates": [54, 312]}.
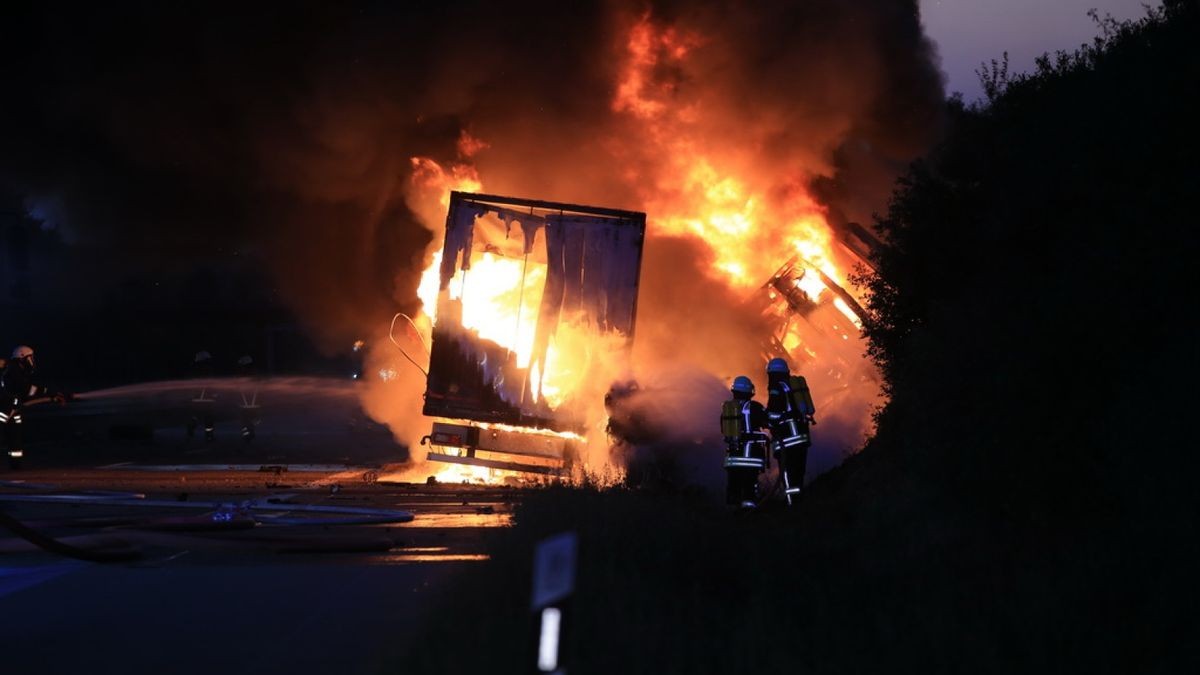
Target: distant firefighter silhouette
{"type": "Point", "coordinates": [203, 404]}
{"type": "Point", "coordinates": [250, 408]}
{"type": "Point", "coordinates": [19, 386]}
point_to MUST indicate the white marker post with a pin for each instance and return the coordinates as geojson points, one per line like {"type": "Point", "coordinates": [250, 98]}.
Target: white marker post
{"type": "Point", "coordinates": [553, 583]}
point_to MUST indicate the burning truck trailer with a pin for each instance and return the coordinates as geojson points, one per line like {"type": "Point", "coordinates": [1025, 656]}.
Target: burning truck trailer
{"type": "Point", "coordinates": [535, 310]}
{"type": "Point", "coordinates": [532, 296]}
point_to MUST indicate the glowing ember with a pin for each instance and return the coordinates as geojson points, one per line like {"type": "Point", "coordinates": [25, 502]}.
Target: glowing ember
{"type": "Point", "coordinates": [472, 474]}
{"type": "Point", "coordinates": [465, 473]}
{"type": "Point", "coordinates": [527, 430]}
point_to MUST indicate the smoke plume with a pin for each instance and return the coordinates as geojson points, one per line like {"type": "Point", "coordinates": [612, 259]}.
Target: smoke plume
{"type": "Point", "coordinates": [302, 135]}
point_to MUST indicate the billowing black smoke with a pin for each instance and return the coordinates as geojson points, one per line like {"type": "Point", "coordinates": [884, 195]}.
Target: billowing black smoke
{"type": "Point", "coordinates": [165, 137]}
{"type": "Point", "coordinates": [286, 131]}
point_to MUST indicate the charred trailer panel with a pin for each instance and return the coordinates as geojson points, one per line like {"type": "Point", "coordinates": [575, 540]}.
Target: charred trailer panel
{"type": "Point", "coordinates": [522, 284]}
{"type": "Point", "coordinates": [507, 450]}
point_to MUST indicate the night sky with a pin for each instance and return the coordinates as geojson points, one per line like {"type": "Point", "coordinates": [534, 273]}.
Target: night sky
{"type": "Point", "coordinates": [970, 32]}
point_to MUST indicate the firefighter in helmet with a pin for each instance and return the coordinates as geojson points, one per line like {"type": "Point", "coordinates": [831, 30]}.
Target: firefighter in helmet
{"type": "Point", "coordinates": [790, 409]}
{"type": "Point", "coordinates": [202, 406]}
{"type": "Point", "coordinates": [742, 423]}
{"type": "Point", "coordinates": [249, 411]}
{"type": "Point", "coordinates": [18, 385]}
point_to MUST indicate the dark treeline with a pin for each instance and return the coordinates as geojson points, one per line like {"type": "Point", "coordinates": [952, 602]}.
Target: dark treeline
{"type": "Point", "coordinates": [1032, 313]}
{"type": "Point", "coordinates": [1032, 320]}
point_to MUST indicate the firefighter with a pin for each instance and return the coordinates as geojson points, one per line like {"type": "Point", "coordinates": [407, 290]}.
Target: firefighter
{"type": "Point", "coordinates": [790, 409]}
{"type": "Point", "coordinates": [18, 385]}
{"type": "Point", "coordinates": [202, 405]}
{"type": "Point", "coordinates": [250, 408]}
{"type": "Point", "coordinates": [742, 423]}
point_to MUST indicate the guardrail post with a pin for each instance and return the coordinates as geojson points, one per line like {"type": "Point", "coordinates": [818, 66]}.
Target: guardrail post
{"type": "Point", "coordinates": [553, 584]}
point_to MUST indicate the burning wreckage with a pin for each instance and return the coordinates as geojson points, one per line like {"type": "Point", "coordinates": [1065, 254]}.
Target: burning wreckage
{"type": "Point", "coordinates": [535, 309]}
{"type": "Point", "coordinates": [534, 299]}
{"type": "Point", "coordinates": [809, 320]}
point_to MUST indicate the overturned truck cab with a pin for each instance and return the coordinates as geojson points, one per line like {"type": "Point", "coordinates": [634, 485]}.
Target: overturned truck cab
{"type": "Point", "coordinates": [534, 299]}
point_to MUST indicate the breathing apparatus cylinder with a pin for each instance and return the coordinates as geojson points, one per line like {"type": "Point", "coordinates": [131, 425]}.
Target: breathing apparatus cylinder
{"type": "Point", "coordinates": [801, 396]}
{"type": "Point", "coordinates": [730, 413]}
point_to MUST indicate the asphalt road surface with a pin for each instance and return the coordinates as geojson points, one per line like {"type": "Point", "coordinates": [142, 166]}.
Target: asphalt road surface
{"type": "Point", "coordinates": [305, 550]}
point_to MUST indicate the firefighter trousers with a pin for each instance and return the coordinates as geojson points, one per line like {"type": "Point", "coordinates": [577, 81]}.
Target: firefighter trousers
{"type": "Point", "coordinates": [792, 462]}
{"type": "Point", "coordinates": [14, 442]}
{"type": "Point", "coordinates": [741, 486]}
{"type": "Point", "coordinates": [743, 462]}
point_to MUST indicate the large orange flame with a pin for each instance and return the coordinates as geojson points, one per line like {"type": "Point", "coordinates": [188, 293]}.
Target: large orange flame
{"type": "Point", "coordinates": [712, 191]}
{"type": "Point", "coordinates": [753, 218]}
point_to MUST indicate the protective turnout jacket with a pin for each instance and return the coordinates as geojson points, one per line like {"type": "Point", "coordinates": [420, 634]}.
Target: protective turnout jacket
{"type": "Point", "coordinates": [748, 450]}
{"type": "Point", "coordinates": [790, 411]}
{"type": "Point", "coordinates": [17, 385]}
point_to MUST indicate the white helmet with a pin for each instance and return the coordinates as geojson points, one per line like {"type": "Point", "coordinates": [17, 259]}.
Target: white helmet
{"type": "Point", "coordinates": [23, 352]}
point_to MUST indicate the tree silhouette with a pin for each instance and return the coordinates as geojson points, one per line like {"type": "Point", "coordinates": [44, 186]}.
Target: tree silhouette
{"type": "Point", "coordinates": [1029, 306]}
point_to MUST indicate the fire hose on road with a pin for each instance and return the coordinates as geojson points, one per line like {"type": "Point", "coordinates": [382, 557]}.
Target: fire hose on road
{"type": "Point", "coordinates": [225, 517]}
{"type": "Point", "coordinates": [53, 545]}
